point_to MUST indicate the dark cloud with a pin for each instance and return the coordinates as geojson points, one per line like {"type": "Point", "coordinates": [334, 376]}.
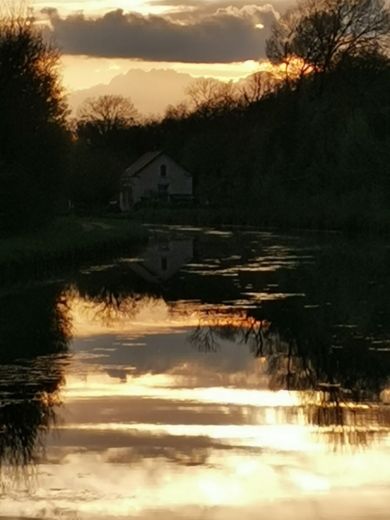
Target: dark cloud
{"type": "Point", "coordinates": [229, 34]}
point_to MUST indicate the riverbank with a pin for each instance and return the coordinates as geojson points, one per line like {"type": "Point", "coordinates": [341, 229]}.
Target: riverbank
{"type": "Point", "coordinates": [299, 220]}
{"type": "Point", "coordinates": [65, 244]}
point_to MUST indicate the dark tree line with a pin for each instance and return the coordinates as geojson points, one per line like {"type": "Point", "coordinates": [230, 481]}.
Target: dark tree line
{"type": "Point", "coordinates": [33, 137]}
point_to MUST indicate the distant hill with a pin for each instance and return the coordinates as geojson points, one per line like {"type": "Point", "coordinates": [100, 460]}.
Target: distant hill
{"type": "Point", "coordinates": [151, 92]}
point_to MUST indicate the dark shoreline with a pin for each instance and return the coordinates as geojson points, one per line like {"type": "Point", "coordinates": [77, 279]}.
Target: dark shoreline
{"type": "Point", "coordinates": [64, 245]}
{"type": "Point", "coordinates": [240, 218]}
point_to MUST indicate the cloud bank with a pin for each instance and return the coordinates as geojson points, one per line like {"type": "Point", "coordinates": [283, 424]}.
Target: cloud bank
{"type": "Point", "coordinates": [229, 34]}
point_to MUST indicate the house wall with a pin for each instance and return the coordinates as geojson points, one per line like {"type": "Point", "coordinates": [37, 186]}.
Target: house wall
{"type": "Point", "coordinates": [177, 180]}
{"type": "Point", "coordinates": [163, 259]}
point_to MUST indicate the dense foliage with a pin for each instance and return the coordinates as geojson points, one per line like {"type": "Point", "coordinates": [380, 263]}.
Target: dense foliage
{"type": "Point", "coordinates": [32, 127]}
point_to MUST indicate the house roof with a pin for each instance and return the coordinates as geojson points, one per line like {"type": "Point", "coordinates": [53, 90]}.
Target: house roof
{"type": "Point", "coordinates": [141, 163]}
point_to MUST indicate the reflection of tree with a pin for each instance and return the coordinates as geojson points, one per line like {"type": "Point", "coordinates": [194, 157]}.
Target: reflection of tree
{"type": "Point", "coordinates": [205, 339]}
{"type": "Point", "coordinates": [216, 326]}
{"type": "Point", "coordinates": [34, 332]}
{"type": "Point", "coordinates": [115, 289]}
{"type": "Point", "coordinates": [287, 369]}
{"type": "Point", "coordinates": [356, 367]}
{"type": "Point", "coordinates": [343, 422]}
{"type": "Point", "coordinates": [337, 398]}
{"type": "Point", "coordinates": [33, 322]}
{"type": "Point", "coordinates": [109, 306]}
{"type": "Point", "coordinates": [28, 397]}
{"type": "Point", "coordinates": [338, 389]}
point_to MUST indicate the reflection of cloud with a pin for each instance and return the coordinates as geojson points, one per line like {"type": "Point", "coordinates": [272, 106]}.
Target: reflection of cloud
{"type": "Point", "coordinates": [164, 441]}
{"type": "Point", "coordinates": [132, 409]}
{"type": "Point", "coordinates": [179, 388]}
{"type": "Point", "coordinates": [229, 34]}
{"type": "Point", "coordinates": [96, 481]}
{"type": "Point", "coordinates": [285, 437]}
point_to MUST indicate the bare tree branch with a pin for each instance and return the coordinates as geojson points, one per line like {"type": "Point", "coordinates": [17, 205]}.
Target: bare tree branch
{"type": "Point", "coordinates": [108, 113]}
{"type": "Point", "coordinates": [321, 33]}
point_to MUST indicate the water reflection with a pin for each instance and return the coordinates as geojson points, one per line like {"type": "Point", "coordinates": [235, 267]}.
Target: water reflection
{"type": "Point", "coordinates": [29, 396]}
{"type": "Point", "coordinates": [163, 258]}
{"type": "Point", "coordinates": [356, 369]}
{"type": "Point", "coordinates": [245, 373]}
{"type": "Point", "coordinates": [33, 322]}
{"type": "Point", "coordinates": [32, 353]}
{"type": "Point", "coordinates": [345, 400]}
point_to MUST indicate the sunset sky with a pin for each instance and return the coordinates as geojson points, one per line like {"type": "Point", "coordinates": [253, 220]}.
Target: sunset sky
{"type": "Point", "coordinates": [100, 39]}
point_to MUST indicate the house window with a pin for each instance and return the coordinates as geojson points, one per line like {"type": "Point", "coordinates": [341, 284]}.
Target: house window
{"type": "Point", "coordinates": [163, 189]}
{"type": "Point", "coordinates": [163, 170]}
{"type": "Point", "coordinates": [164, 263]}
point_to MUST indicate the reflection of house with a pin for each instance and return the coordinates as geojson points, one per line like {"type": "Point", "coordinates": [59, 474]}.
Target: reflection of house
{"type": "Point", "coordinates": [163, 259]}
{"type": "Point", "coordinates": [155, 175]}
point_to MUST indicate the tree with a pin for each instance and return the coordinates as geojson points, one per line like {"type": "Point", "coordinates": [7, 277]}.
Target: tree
{"type": "Point", "coordinates": [107, 113]}
{"type": "Point", "coordinates": [256, 86]}
{"type": "Point", "coordinates": [32, 126]}
{"type": "Point", "coordinates": [209, 96]}
{"type": "Point", "coordinates": [319, 34]}
{"type": "Point", "coordinates": [177, 112]}
{"type": "Point", "coordinates": [93, 176]}
{"type": "Point", "coordinates": [99, 155]}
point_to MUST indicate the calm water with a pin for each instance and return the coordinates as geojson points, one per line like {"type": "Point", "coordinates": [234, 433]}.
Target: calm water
{"type": "Point", "coordinates": [218, 375]}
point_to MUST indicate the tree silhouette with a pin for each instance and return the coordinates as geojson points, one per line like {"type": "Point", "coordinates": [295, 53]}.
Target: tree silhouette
{"type": "Point", "coordinates": [107, 113]}
{"type": "Point", "coordinates": [319, 34]}
{"type": "Point", "coordinates": [209, 96]}
{"type": "Point", "coordinates": [258, 85]}
{"type": "Point", "coordinates": [32, 126]}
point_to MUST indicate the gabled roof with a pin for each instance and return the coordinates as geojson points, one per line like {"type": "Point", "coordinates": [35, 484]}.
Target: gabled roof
{"type": "Point", "coordinates": [141, 163]}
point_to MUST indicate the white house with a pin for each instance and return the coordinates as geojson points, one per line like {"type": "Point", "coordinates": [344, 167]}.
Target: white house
{"type": "Point", "coordinates": [154, 175]}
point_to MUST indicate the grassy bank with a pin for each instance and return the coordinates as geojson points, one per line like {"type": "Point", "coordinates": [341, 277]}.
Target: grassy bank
{"type": "Point", "coordinates": [64, 244]}
{"type": "Point", "coordinates": [279, 219]}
